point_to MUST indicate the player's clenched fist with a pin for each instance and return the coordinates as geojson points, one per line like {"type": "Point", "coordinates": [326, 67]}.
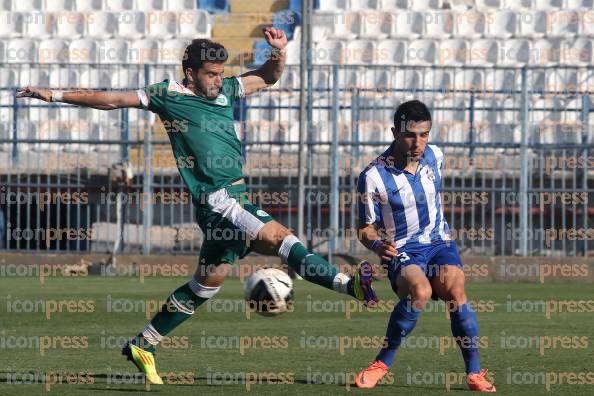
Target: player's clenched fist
{"type": "Point", "coordinates": [276, 38]}
{"type": "Point", "coordinates": [34, 92]}
{"type": "Point", "coordinates": [386, 250]}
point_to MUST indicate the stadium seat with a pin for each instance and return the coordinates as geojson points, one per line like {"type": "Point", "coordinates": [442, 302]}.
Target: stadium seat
{"type": "Point", "coordinates": [322, 26]}
{"type": "Point", "coordinates": [579, 4]}
{"type": "Point", "coordinates": [119, 5]}
{"type": "Point", "coordinates": [53, 51]}
{"type": "Point", "coordinates": [349, 77]}
{"type": "Point", "coordinates": [563, 23]}
{"type": "Point", "coordinates": [329, 52]}
{"type": "Point", "coordinates": [180, 5]}
{"type": "Point", "coordinates": [562, 80]}
{"type": "Point", "coordinates": [125, 79]}
{"type": "Point", "coordinates": [407, 24]}
{"type": "Point", "coordinates": [295, 5]}
{"type": "Point", "coordinates": [438, 24]}
{"type": "Point", "coordinates": [376, 25]}
{"type": "Point", "coordinates": [59, 5]}
{"type": "Point", "coordinates": [577, 52]}
{"type": "Point", "coordinates": [289, 80]}
{"type": "Point", "coordinates": [286, 20]}
{"type": "Point", "coordinates": [346, 26]}
{"type": "Point", "coordinates": [467, 80]}
{"type": "Point", "coordinates": [504, 81]}
{"type": "Point", "coordinates": [548, 4]}
{"type": "Point", "coordinates": [63, 77]}
{"type": "Point", "coordinates": [161, 24]}
{"type": "Point", "coordinates": [587, 18]}
{"type": "Point", "coordinates": [391, 52]}
{"type": "Point", "coordinates": [24, 75]}
{"type": "Point", "coordinates": [360, 52]}
{"type": "Point", "coordinates": [113, 51]}
{"type": "Point", "coordinates": [533, 23]}
{"type": "Point", "coordinates": [439, 80]}
{"type": "Point", "coordinates": [333, 5]}
{"type": "Point", "coordinates": [195, 24]}
{"type": "Point", "coordinates": [362, 5]}
{"type": "Point", "coordinates": [394, 5]}
{"type": "Point", "coordinates": [545, 52]}
{"type": "Point", "coordinates": [408, 79]}
{"type": "Point", "coordinates": [37, 25]}
{"type": "Point", "coordinates": [514, 52]}
{"type": "Point", "coordinates": [502, 24]}
{"type": "Point", "coordinates": [572, 111]}
{"type": "Point", "coordinates": [143, 51]}
{"type": "Point", "coordinates": [83, 51]}
{"type": "Point", "coordinates": [469, 24]}
{"type": "Point", "coordinates": [132, 24]}
{"type": "Point", "coordinates": [28, 5]}
{"type": "Point", "coordinates": [214, 6]}
{"type": "Point", "coordinates": [486, 110]}
{"type": "Point", "coordinates": [486, 5]}
{"type": "Point", "coordinates": [484, 52]}
{"type": "Point", "coordinates": [293, 53]}
{"type": "Point", "coordinates": [452, 52]}
{"type": "Point", "coordinates": [16, 26]}
{"type": "Point", "coordinates": [151, 5]}
{"type": "Point", "coordinates": [172, 51]}
{"type": "Point", "coordinates": [421, 52]}
{"type": "Point", "coordinates": [519, 4]}
{"type": "Point", "coordinates": [69, 25]}
{"type": "Point", "coordinates": [88, 5]}
{"type": "Point", "coordinates": [92, 78]}
{"type": "Point", "coordinates": [104, 25]}
{"type": "Point", "coordinates": [424, 5]}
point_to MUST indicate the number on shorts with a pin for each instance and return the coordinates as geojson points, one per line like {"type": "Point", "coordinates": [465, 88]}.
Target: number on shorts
{"type": "Point", "coordinates": [402, 257]}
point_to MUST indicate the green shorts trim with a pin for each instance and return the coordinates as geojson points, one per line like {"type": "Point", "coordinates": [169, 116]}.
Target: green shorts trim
{"type": "Point", "coordinates": [229, 221]}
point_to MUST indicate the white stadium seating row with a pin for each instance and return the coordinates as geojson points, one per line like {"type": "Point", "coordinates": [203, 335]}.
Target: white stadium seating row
{"type": "Point", "coordinates": [452, 52]}
{"type": "Point", "coordinates": [105, 24]}
{"type": "Point", "coordinates": [496, 23]}
{"type": "Point", "coordinates": [448, 52]}
{"type": "Point", "coordinates": [421, 5]}
{"type": "Point", "coordinates": [96, 5]}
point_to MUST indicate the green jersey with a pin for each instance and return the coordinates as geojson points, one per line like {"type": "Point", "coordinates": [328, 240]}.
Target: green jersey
{"type": "Point", "coordinates": [203, 138]}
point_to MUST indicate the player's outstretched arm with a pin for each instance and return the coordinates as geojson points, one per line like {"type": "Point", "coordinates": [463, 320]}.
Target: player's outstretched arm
{"type": "Point", "coordinates": [102, 100]}
{"type": "Point", "coordinates": [270, 72]}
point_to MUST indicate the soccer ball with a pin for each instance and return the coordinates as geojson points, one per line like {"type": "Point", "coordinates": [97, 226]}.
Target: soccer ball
{"type": "Point", "coordinates": [269, 292]}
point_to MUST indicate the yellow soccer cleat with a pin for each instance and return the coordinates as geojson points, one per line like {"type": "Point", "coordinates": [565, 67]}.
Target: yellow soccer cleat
{"type": "Point", "coordinates": [144, 361]}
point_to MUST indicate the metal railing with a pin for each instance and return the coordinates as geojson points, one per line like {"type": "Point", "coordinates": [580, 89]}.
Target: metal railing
{"type": "Point", "coordinates": [517, 173]}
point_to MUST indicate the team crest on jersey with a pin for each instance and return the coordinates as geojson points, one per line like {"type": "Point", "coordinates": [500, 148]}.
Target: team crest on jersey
{"type": "Point", "coordinates": [221, 100]}
{"type": "Point", "coordinates": [431, 174]}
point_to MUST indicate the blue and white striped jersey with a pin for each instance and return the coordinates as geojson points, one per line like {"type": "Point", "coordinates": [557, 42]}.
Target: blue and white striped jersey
{"type": "Point", "coordinates": [404, 207]}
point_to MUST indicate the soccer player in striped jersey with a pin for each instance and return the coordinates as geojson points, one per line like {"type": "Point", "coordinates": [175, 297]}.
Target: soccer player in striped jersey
{"type": "Point", "coordinates": [402, 221]}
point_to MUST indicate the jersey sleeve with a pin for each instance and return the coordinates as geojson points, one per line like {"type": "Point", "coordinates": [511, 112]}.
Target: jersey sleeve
{"type": "Point", "coordinates": [233, 88]}
{"type": "Point", "coordinates": [369, 211]}
{"type": "Point", "coordinates": [154, 97]}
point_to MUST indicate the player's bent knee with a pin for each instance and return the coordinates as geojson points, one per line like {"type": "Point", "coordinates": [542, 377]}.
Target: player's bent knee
{"type": "Point", "coordinates": [457, 294]}
{"type": "Point", "coordinates": [203, 291]}
{"type": "Point", "coordinates": [421, 294]}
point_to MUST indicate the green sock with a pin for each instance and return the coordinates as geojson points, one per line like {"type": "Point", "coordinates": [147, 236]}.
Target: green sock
{"type": "Point", "coordinates": [311, 266]}
{"type": "Point", "coordinates": [179, 307]}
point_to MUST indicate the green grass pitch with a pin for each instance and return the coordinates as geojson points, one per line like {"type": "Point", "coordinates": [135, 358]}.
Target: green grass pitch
{"type": "Point", "coordinates": [316, 348]}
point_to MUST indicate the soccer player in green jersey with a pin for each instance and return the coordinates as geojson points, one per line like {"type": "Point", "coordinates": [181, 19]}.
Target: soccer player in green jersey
{"type": "Point", "coordinates": [198, 116]}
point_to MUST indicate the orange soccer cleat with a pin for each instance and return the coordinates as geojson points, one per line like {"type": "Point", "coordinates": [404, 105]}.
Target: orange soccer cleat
{"type": "Point", "coordinates": [478, 382]}
{"type": "Point", "coordinates": [370, 376]}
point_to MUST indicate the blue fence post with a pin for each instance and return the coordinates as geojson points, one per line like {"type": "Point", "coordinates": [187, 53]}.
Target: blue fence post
{"type": "Point", "coordinates": [585, 120]}
{"type": "Point", "coordinates": [334, 168]}
{"type": "Point", "coordinates": [524, 172]}
{"type": "Point", "coordinates": [15, 107]}
{"type": "Point", "coordinates": [147, 175]}
{"type": "Point", "coordinates": [471, 131]}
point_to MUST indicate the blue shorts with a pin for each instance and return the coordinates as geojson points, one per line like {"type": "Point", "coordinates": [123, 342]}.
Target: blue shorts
{"type": "Point", "coordinates": [428, 257]}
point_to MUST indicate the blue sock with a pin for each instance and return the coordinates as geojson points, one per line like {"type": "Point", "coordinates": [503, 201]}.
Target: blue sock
{"type": "Point", "coordinates": [465, 329]}
{"type": "Point", "coordinates": [402, 321]}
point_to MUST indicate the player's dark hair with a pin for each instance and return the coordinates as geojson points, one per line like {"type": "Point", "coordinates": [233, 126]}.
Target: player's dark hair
{"type": "Point", "coordinates": [201, 51]}
{"type": "Point", "coordinates": [413, 110]}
